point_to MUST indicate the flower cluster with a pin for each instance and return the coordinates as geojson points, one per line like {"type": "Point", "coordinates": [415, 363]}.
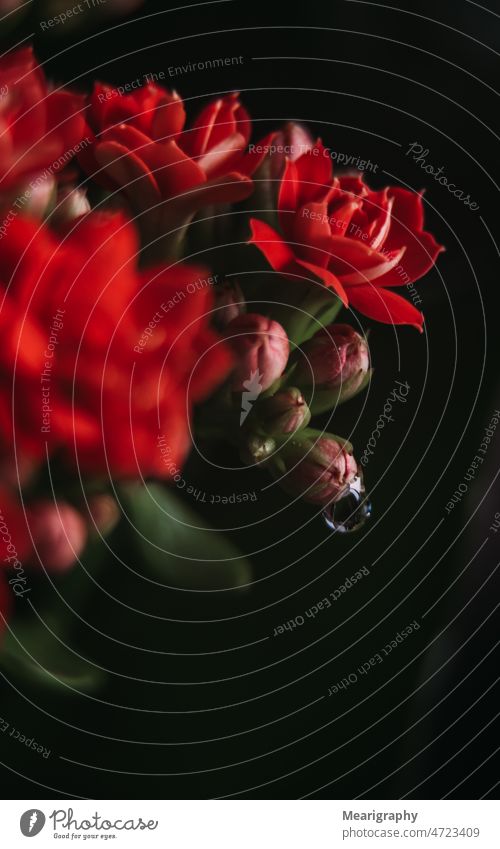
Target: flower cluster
{"type": "Point", "coordinates": [111, 335]}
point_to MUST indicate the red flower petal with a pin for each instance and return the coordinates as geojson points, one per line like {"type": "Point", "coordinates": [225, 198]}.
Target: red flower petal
{"type": "Point", "coordinates": [277, 252]}
{"type": "Point", "coordinates": [355, 263]}
{"type": "Point", "coordinates": [66, 118]}
{"type": "Point", "coordinates": [169, 118]}
{"type": "Point", "coordinates": [128, 171]}
{"type": "Point", "coordinates": [341, 216]}
{"type": "Point", "coordinates": [354, 184]}
{"type": "Point", "coordinates": [328, 279]}
{"type": "Point", "coordinates": [310, 233]}
{"type": "Point", "coordinates": [222, 156]}
{"type": "Point", "coordinates": [314, 174]}
{"type": "Point", "coordinates": [217, 121]}
{"type": "Point", "coordinates": [421, 253]}
{"type": "Point", "coordinates": [385, 306]}
{"type": "Point", "coordinates": [253, 158]}
{"type": "Point", "coordinates": [179, 209]}
{"type": "Point", "coordinates": [288, 196]}
{"type": "Point", "coordinates": [173, 170]}
{"type": "Point", "coordinates": [407, 214]}
{"type": "Point", "coordinates": [282, 259]}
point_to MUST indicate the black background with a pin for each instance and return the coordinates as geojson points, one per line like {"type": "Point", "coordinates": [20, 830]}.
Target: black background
{"type": "Point", "coordinates": [371, 79]}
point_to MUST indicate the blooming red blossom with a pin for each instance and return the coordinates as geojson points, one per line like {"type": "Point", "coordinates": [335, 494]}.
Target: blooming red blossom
{"type": "Point", "coordinates": [100, 356]}
{"type": "Point", "coordinates": [358, 242]}
{"type": "Point", "coordinates": [142, 147]}
{"type": "Point", "coordinates": [37, 125]}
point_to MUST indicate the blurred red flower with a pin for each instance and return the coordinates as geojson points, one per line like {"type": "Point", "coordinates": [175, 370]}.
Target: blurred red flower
{"type": "Point", "coordinates": [358, 242]}
{"type": "Point", "coordinates": [142, 147]}
{"type": "Point", "coordinates": [98, 357]}
{"type": "Point", "coordinates": [37, 125]}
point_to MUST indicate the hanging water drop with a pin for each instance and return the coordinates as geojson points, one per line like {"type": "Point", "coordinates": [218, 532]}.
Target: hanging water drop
{"type": "Point", "coordinates": [350, 512]}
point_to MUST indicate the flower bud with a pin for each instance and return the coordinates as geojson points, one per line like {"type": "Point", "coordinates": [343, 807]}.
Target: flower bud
{"type": "Point", "coordinates": [104, 513]}
{"type": "Point", "coordinates": [335, 363]}
{"type": "Point", "coordinates": [229, 303]}
{"type": "Point", "coordinates": [59, 532]}
{"type": "Point", "coordinates": [318, 469]}
{"type": "Point", "coordinates": [284, 413]}
{"type": "Point", "coordinates": [256, 448]}
{"type": "Point", "coordinates": [291, 142]}
{"type": "Point", "coordinates": [261, 350]}
{"type": "Point", "coordinates": [288, 143]}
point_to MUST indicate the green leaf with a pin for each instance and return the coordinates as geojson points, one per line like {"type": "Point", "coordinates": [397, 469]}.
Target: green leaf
{"type": "Point", "coordinates": [36, 652]}
{"type": "Point", "coordinates": [41, 646]}
{"type": "Point", "coordinates": [178, 546]}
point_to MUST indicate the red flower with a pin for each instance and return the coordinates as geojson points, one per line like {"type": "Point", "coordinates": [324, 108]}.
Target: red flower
{"type": "Point", "coordinates": [37, 126]}
{"type": "Point", "coordinates": [219, 138]}
{"type": "Point", "coordinates": [101, 357]}
{"type": "Point", "coordinates": [141, 146]}
{"type": "Point", "coordinates": [360, 243]}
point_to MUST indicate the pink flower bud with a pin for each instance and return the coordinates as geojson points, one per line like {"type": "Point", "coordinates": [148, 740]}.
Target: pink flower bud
{"type": "Point", "coordinates": [284, 413]}
{"type": "Point", "coordinates": [287, 144]}
{"type": "Point", "coordinates": [336, 358]}
{"type": "Point", "coordinates": [317, 469]}
{"type": "Point", "coordinates": [261, 351]}
{"type": "Point", "coordinates": [59, 533]}
{"type": "Point", "coordinates": [256, 449]}
{"type": "Point", "coordinates": [104, 512]}
{"type": "Point", "coordinates": [229, 303]}
{"type": "Point", "coordinates": [291, 142]}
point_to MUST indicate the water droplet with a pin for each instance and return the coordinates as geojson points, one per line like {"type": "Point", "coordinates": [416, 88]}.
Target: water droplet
{"type": "Point", "coordinates": [350, 512]}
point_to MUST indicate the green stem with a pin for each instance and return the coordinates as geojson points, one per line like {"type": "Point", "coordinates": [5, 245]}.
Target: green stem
{"type": "Point", "coordinates": [316, 310]}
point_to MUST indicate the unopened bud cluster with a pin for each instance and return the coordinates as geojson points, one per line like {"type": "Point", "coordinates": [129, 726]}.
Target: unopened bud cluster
{"type": "Point", "coordinates": [279, 389]}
